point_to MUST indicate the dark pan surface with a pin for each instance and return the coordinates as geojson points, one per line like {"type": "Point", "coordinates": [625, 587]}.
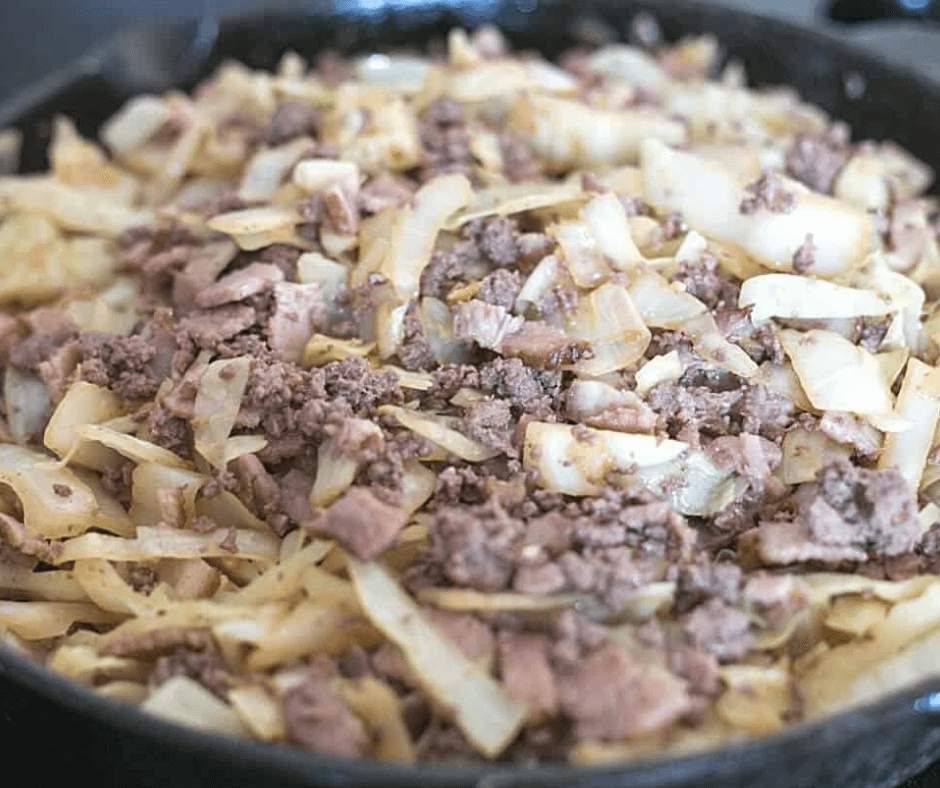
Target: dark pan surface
{"type": "Point", "coordinates": [879, 746]}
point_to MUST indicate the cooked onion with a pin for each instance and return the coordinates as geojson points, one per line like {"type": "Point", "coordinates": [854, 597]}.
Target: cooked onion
{"type": "Point", "coordinates": [709, 198]}
{"type": "Point", "coordinates": [568, 134]}
{"type": "Point", "coordinates": [837, 375]}
{"type": "Point", "coordinates": [486, 715]}
{"type": "Point", "coordinates": [583, 461]}
{"type": "Point", "coordinates": [788, 296]}
{"type": "Point", "coordinates": [918, 404]}
{"type": "Point", "coordinates": [218, 400]}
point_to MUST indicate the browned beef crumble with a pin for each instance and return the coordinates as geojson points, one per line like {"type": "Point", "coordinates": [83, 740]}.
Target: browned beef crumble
{"type": "Point", "coordinates": [17, 537]}
{"type": "Point", "coordinates": [362, 523]}
{"type": "Point", "coordinates": [719, 629]}
{"type": "Point", "coordinates": [533, 391]}
{"type": "Point", "coordinates": [610, 696]}
{"type": "Point", "coordinates": [816, 161]}
{"type": "Point", "coordinates": [293, 119]}
{"type": "Point", "coordinates": [708, 284]}
{"type": "Point", "coordinates": [490, 422]}
{"type": "Point", "coordinates": [317, 720]}
{"type": "Point", "coordinates": [518, 162]}
{"type": "Point", "coordinates": [871, 332]}
{"type": "Point", "coordinates": [525, 666]}
{"type": "Point", "coordinates": [445, 141]}
{"type": "Point", "coordinates": [873, 510]}
{"type": "Point", "coordinates": [674, 226]}
{"type": "Point", "coordinates": [594, 552]}
{"type": "Point", "coordinates": [224, 202]}
{"type": "Point", "coordinates": [805, 256]}
{"type": "Point", "coordinates": [705, 579]}
{"type": "Point", "coordinates": [207, 666]}
{"type": "Point", "coordinates": [415, 352]}
{"type": "Point", "coordinates": [126, 365]}
{"type": "Point", "coordinates": [691, 413]}
{"type": "Point", "coordinates": [848, 514]}
{"type": "Point", "coordinates": [385, 191]}
{"type": "Point", "coordinates": [39, 347]}
{"type": "Point", "coordinates": [767, 192]}
{"type": "Point", "coordinates": [500, 288]}
{"type": "Point", "coordinates": [485, 244]}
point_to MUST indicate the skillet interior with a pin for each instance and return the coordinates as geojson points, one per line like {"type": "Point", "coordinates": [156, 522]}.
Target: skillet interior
{"type": "Point", "coordinates": [877, 746]}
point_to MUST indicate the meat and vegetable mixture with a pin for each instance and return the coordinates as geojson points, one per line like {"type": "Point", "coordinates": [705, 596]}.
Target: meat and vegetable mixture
{"type": "Point", "coordinates": [472, 407]}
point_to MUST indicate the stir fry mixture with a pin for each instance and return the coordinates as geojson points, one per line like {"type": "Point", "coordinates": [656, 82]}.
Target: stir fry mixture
{"type": "Point", "coordinates": [470, 407]}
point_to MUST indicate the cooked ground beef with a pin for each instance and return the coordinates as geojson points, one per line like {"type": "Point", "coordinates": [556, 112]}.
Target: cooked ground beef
{"type": "Point", "coordinates": [767, 192]}
{"type": "Point", "coordinates": [817, 160]}
{"type": "Point", "coordinates": [618, 578]}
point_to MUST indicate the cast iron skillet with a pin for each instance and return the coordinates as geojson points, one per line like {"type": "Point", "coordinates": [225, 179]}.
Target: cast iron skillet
{"type": "Point", "coordinates": [877, 746]}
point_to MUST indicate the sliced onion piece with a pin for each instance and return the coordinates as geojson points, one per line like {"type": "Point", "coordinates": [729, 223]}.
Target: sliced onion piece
{"type": "Point", "coordinates": [434, 430]}
{"type": "Point", "coordinates": [568, 134]}
{"type": "Point", "coordinates": [909, 298]}
{"type": "Point", "coordinates": [486, 80]}
{"type": "Point", "coordinates": [789, 296]}
{"type": "Point", "coordinates": [415, 231]}
{"type": "Point", "coordinates": [608, 319]}
{"type": "Point", "coordinates": [579, 250]}
{"type": "Point", "coordinates": [390, 140]}
{"type": "Point", "coordinates": [150, 480]}
{"type": "Point", "coordinates": [283, 579]}
{"type": "Point", "coordinates": [417, 486]}
{"type": "Point", "coordinates": [83, 664]}
{"type": "Point", "coordinates": [398, 73]}
{"type": "Point", "coordinates": [837, 375]}
{"type": "Point", "coordinates": [806, 452]}
{"type": "Point", "coordinates": [438, 324]}
{"type": "Point", "coordinates": [136, 122]}
{"type": "Point", "coordinates": [606, 217]}
{"type": "Point", "coordinates": [583, 461]}
{"type": "Point", "coordinates": [549, 77]}
{"type": "Point", "coordinates": [182, 700]}
{"type": "Point", "coordinates": [267, 169]}
{"type": "Point", "coordinates": [487, 716]}
{"type": "Point", "coordinates": [470, 600]}
{"type": "Point", "coordinates": [919, 404]}
{"type": "Point", "coordinates": [631, 65]}
{"type": "Point", "coordinates": [252, 220]}
{"type": "Point", "coordinates": [56, 503]}
{"type": "Point", "coordinates": [711, 345]}
{"type": "Point", "coordinates": [129, 446]}
{"type": "Point", "coordinates": [659, 369]}
{"type": "Point", "coordinates": [661, 304]}
{"type": "Point", "coordinates": [512, 198]}
{"type": "Point", "coordinates": [602, 405]}
{"type": "Point", "coordinates": [107, 589]}
{"type": "Point", "coordinates": [337, 459]}
{"type": "Point", "coordinates": [218, 400]}
{"type": "Point", "coordinates": [27, 404]}
{"type": "Point", "coordinates": [544, 276]}
{"type": "Point", "coordinates": [48, 585]}
{"type": "Point", "coordinates": [709, 198]}
{"type": "Point", "coordinates": [44, 620]}
{"type": "Point", "coordinates": [874, 179]}
{"type": "Point", "coordinates": [69, 207]}
{"type": "Point", "coordinates": [312, 175]}
{"type": "Point", "coordinates": [154, 543]}
{"type": "Point", "coordinates": [782, 380]}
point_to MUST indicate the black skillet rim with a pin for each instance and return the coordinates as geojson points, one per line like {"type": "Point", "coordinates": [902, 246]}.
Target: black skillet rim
{"type": "Point", "coordinates": [304, 766]}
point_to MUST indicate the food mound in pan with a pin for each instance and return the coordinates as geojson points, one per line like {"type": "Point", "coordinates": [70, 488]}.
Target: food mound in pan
{"type": "Point", "coordinates": [472, 407]}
